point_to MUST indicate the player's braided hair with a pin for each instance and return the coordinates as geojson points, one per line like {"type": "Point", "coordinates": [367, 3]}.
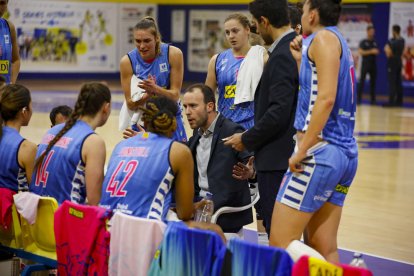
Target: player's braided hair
{"type": "Point", "coordinates": [13, 98]}
{"type": "Point", "coordinates": [90, 100]}
{"type": "Point", "coordinates": [159, 115]}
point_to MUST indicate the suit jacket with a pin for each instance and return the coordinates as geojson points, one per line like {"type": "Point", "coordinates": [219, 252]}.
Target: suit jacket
{"type": "Point", "coordinates": [275, 101]}
{"type": "Point", "coordinates": [226, 190]}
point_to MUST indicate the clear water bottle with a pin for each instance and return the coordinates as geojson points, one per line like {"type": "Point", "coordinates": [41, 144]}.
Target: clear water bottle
{"type": "Point", "coordinates": [358, 261]}
{"type": "Point", "coordinates": [206, 210]}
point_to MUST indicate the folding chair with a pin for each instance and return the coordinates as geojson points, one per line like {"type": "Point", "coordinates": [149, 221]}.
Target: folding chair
{"type": "Point", "coordinates": [131, 255]}
{"type": "Point", "coordinates": [12, 237]}
{"type": "Point", "coordinates": [250, 259]}
{"type": "Point", "coordinates": [82, 240]}
{"type": "Point", "coordinates": [254, 194]}
{"type": "Point", "coordinates": [38, 239]}
{"type": "Point", "coordinates": [188, 251]}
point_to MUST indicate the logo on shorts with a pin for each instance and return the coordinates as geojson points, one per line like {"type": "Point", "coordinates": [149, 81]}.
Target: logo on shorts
{"type": "Point", "coordinates": [6, 39]}
{"type": "Point", "coordinates": [320, 198]}
{"type": "Point", "coordinates": [163, 67]}
{"type": "Point", "coordinates": [341, 189]}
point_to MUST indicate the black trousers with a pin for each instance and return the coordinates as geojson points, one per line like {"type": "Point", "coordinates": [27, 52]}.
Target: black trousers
{"type": "Point", "coordinates": [269, 183]}
{"type": "Point", "coordinates": [370, 69]}
{"type": "Point", "coordinates": [395, 84]}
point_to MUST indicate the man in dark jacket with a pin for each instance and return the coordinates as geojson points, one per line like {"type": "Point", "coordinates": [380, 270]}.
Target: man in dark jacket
{"type": "Point", "coordinates": [271, 138]}
{"type": "Point", "coordinates": [214, 162]}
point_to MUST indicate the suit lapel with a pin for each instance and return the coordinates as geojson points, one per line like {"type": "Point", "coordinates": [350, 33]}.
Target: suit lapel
{"type": "Point", "coordinates": [216, 135]}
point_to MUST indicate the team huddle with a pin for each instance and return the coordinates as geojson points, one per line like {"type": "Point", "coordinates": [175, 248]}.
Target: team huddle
{"type": "Point", "coordinates": [284, 119]}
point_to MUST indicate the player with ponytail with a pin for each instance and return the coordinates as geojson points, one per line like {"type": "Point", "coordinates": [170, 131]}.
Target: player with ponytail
{"type": "Point", "coordinates": [71, 157]}
{"type": "Point", "coordinates": [149, 166]}
{"type": "Point", "coordinates": [16, 153]}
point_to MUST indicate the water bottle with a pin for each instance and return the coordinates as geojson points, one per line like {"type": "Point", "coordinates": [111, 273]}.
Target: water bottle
{"type": "Point", "coordinates": [358, 261]}
{"type": "Point", "coordinates": [206, 210]}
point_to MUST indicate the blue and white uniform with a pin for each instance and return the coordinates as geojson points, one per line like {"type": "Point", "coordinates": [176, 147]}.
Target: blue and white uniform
{"type": "Point", "coordinates": [139, 178]}
{"type": "Point", "coordinates": [62, 172]}
{"type": "Point", "coordinates": [227, 68]}
{"type": "Point", "coordinates": [331, 164]}
{"type": "Point", "coordinates": [5, 50]}
{"type": "Point", "coordinates": [12, 176]}
{"type": "Point", "coordinates": [160, 69]}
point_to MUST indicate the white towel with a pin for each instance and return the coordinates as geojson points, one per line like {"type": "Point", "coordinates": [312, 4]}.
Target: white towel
{"type": "Point", "coordinates": [249, 75]}
{"type": "Point", "coordinates": [26, 205]}
{"type": "Point", "coordinates": [128, 117]}
{"type": "Point", "coordinates": [134, 242]}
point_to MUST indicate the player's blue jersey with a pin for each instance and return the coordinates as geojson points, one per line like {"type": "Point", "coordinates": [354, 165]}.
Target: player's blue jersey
{"type": "Point", "coordinates": [139, 178]}
{"type": "Point", "coordinates": [160, 69]}
{"type": "Point", "coordinates": [62, 172]}
{"type": "Point", "coordinates": [188, 251]}
{"type": "Point", "coordinates": [5, 50]}
{"type": "Point", "coordinates": [227, 68]}
{"type": "Point", "coordinates": [339, 128]}
{"type": "Point", "coordinates": [12, 176]}
{"type": "Point", "coordinates": [252, 259]}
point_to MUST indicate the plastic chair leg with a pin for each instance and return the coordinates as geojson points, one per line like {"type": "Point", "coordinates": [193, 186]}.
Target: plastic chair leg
{"type": "Point", "coordinates": [28, 269]}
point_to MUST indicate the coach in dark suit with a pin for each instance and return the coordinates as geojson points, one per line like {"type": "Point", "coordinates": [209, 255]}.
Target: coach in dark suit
{"type": "Point", "coordinates": [213, 162]}
{"type": "Point", "coordinates": [275, 100]}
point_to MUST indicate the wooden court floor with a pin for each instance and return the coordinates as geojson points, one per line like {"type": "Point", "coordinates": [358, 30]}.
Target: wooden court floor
{"type": "Point", "coordinates": [378, 216]}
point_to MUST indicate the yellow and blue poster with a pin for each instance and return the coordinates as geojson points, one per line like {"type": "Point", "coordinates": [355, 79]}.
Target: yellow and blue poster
{"type": "Point", "coordinates": [66, 36]}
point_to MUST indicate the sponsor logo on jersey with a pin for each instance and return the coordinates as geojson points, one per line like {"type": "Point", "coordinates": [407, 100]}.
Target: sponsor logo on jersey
{"type": "Point", "coordinates": [6, 39]}
{"type": "Point", "coordinates": [163, 67]}
{"type": "Point", "coordinates": [4, 66]}
{"type": "Point", "coordinates": [229, 91]}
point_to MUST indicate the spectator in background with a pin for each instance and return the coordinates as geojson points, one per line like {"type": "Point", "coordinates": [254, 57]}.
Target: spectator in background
{"type": "Point", "coordinates": [394, 50]}
{"type": "Point", "coordinates": [368, 49]}
{"type": "Point", "coordinates": [59, 114]}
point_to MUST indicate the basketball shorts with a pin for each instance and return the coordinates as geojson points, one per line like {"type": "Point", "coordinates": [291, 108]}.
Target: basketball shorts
{"type": "Point", "coordinates": [327, 176]}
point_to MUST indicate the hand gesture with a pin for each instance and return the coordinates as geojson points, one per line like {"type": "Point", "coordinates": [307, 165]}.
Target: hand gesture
{"type": "Point", "coordinates": [296, 48]}
{"type": "Point", "coordinates": [244, 171]}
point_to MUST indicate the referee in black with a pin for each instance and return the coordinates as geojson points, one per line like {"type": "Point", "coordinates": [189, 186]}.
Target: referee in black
{"type": "Point", "coordinates": [368, 49]}
{"type": "Point", "coordinates": [394, 50]}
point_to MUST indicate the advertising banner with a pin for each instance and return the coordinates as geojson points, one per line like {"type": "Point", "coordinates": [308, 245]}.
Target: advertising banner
{"type": "Point", "coordinates": [66, 36]}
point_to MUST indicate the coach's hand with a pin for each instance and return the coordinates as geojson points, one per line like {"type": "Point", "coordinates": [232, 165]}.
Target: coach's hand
{"type": "Point", "coordinates": [234, 141]}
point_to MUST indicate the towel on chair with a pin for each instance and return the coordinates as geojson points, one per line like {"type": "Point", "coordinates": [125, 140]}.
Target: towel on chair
{"type": "Point", "coordinates": [249, 75]}
{"type": "Point", "coordinates": [26, 205]}
{"type": "Point", "coordinates": [128, 117]}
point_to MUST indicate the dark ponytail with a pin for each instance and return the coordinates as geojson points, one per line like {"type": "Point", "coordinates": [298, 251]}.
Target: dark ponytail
{"type": "Point", "coordinates": [13, 98]}
{"type": "Point", "coordinates": [329, 11]}
{"type": "Point", "coordinates": [159, 115]}
{"type": "Point", "coordinates": [90, 100]}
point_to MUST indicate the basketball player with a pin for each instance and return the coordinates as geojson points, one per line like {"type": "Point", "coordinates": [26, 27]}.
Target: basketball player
{"type": "Point", "coordinates": [9, 49]}
{"type": "Point", "coordinates": [17, 154]}
{"type": "Point", "coordinates": [159, 66]}
{"type": "Point", "coordinates": [144, 170]}
{"type": "Point", "coordinates": [324, 164]}
{"type": "Point", "coordinates": [71, 157]}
